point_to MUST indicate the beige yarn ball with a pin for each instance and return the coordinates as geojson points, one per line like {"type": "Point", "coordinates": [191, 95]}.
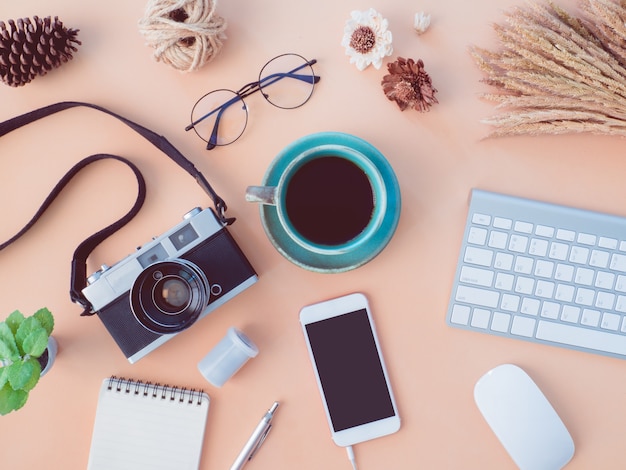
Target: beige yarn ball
{"type": "Point", "coordinates": [185, 34]}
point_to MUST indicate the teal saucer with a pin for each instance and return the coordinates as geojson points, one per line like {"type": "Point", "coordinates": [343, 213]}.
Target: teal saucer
{"type": "Point", "coordinates": [339, 262]}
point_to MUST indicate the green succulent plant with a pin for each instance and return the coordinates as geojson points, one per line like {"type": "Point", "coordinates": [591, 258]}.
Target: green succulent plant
{"type": "Point", "coordinates": [22, 341]}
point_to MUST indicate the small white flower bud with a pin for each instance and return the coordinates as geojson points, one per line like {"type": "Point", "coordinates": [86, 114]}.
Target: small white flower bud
{"type": "Point", "coordinates": [421, 22]}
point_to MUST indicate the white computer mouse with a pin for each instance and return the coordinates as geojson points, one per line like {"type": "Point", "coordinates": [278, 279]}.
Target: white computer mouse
{"type": "Point", "coordinates": [523, 419]}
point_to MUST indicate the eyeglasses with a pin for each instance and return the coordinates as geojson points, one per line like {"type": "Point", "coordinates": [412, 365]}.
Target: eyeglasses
{"type": "Point", "coordinates": [220, 117]}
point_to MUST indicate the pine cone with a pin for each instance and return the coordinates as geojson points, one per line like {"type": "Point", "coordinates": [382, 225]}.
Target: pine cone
{"type": "Point", "coordinates": [32, 48]}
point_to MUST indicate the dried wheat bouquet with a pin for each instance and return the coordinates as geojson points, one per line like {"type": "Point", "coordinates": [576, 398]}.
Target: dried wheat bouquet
{"type": "Point", "coordinates": [556, 73]}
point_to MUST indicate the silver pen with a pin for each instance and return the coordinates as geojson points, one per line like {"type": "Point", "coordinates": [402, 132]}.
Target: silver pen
{"type": "Point", "coordinates": [256, 439]}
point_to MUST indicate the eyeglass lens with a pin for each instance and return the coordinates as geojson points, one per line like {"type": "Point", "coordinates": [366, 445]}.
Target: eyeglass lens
{"type": "Point", "coordinates": [221, 116]}
{"type": "Point", "coordinates": [226, 117]}
{"type": "Point", "coordinates": [287, 81]}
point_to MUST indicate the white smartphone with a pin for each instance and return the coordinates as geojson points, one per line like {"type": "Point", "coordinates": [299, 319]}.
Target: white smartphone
{"type": "Point", "coordinates": [350, 370]}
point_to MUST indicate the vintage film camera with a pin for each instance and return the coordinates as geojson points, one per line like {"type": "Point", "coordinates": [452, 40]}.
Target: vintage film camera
{"type": "Point", "coordinates": [167, 284]}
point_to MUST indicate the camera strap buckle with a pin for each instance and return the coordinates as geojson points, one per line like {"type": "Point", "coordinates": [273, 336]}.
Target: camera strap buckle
{"type": "Point", "coordinates": [78, 279]}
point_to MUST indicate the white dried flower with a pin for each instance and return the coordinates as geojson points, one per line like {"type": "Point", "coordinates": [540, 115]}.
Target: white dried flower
{"type": "Point", "coordinates": [421, 22]}
{"type": "Point", "coordinates": [367, 39]}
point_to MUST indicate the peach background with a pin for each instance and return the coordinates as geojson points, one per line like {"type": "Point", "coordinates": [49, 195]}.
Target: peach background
{"type": "Point", "coordinates": [438, 157]}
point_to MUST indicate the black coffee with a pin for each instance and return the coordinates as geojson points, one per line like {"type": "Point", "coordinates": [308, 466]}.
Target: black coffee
{"type": "Point", "coordinates": [329, 200]}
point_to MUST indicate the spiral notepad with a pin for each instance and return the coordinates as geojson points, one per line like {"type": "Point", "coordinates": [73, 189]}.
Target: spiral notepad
{"type": "Point", "coordinates": [147, 426]}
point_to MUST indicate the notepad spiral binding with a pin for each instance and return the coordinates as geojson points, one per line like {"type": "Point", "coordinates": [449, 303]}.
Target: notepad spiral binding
{"type": "Point", "coordinates": [156, 390]}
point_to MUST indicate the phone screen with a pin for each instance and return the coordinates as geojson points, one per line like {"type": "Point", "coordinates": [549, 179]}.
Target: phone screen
{"type": "Point", "coordinates": [350, 370]}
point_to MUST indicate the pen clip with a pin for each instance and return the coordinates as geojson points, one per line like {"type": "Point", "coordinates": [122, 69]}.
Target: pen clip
{"type": "Point", "coordinates": [260, 442]}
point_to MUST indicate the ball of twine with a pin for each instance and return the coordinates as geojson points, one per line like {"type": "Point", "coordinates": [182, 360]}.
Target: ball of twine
{"type": "Point", "coordinates": [185, 34]}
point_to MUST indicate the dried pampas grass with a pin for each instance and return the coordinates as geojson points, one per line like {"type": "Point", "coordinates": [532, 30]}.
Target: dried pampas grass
{"type": "Point", "coordinates": [558, 73]}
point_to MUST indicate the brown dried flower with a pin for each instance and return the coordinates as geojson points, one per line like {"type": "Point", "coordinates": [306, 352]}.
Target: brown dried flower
{"type": "Point", "coordinates": [409, 85]}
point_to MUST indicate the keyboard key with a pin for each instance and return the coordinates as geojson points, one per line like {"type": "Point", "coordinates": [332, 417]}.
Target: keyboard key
{"type": "Point", "coordinates": [476, 276]}
{"type": "Point", "coordinates": [501, 322]}
{"type": "Point", "coordinates": [498, 240]}
{"type": "Point", "coordinates": [501, 222]}
{"type": "Point", "coordinates": [582, 337]}
{"type": "Point", "coordinates": [523, 326]}
{"type": "Point", "coordinates": [523, 265]}
{"type": "Point", "coordinates": [478, 256]}
{"type": "Point", "coordinates": [544, 231]}
{"type": "Point", "coordinates": [558, 251]}
{"type": "Point", "coordinates": [584, 276]}
{"type": "Point", "coordinates": [477, 236]}
{"type": "Point", "coordinates": [476, 296]}
{"type": "Point", "coordinates": [460, 314]}
{"type": "Point", "coordinates": [579, 255]}
{"type": "Point", "coordinates": [564, 293]}
{"type": "Point", "coordinates": [606, 242]}
{"type": "Point", "coordinates": [538, 247]}
{"type": "Point", "coordinates": [524, 285]}
{"type": "Point", "coordinates": [518, 243]}
{"type": "Point", "coordinates": [586, 239]}
{"type": "Point", "coordinates": [504, 261]}
{"type": "Point", "coordinates": [605, 300]}
{"type": "Point", "coordinates": [620, 286]}
{"type": "Point", "coordinates": [620, 305]}
{"type": "Point", "coordinates": [523, 227]}
{"type": "Point", "coordinates": [544, 268]}
{"type": "Point", "coordinates": [480, 318]}
{"type": "Point", "coordinates": [599, 259]}
{"type": "Point", "coordinates": [610, 321]}
{"type": "Point", "coordinates": [564, 272]}
{"type": "Point", "coordinates": [481, 219]}
{"type": "Point", "coordinates": [565, 235]}
{"type": "Point", "coordinates": [544, 289]}
{"type": "Point", "coordinates": [590, 318]}
{"type": "Point", "coordinates": [618, 263]}
{"type": "Point", "coordinates": [504, 281]}
{"type": "Point", "coordinates": [550, 310]}
{"type": "Point", "coordinates": [605, 280]}
{"type": "Point", "coordinates": [530, 306]}
{"type": "Point", "coordinates": [585, 296]}
{"type": "Point", "coordinates": [510, 303]}
{"type": "Point", "coordinates": [570, 314]}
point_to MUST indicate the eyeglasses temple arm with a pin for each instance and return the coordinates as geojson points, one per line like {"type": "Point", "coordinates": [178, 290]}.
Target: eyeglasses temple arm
{"type": "Point", "coordinates": [278, 76]}
{"type": "Point", "coordinates": [212, 142]}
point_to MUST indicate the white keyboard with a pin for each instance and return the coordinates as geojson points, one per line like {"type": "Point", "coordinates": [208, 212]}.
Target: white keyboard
{"type": "Point", "coordinates": [543, 273]}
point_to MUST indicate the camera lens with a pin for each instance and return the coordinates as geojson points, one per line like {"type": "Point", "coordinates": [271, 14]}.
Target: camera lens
{"type": "Point", "coordinates": [169, 296]}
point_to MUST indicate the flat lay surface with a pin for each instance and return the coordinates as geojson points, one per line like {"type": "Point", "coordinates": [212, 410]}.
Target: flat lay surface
{"type": "Point", "coordinates": [438, 157]}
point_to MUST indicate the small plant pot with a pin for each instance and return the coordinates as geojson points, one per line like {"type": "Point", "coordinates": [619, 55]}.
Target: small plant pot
{"type": "Point", "coordinates": [47, 358]}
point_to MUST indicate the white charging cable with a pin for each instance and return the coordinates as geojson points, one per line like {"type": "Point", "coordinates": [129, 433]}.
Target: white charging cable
{"type": "Point", "coordinates": [351, 457]}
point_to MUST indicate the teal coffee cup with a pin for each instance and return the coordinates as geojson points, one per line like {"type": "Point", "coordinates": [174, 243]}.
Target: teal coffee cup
{"type": "Point", "coordinates": [329, 202]}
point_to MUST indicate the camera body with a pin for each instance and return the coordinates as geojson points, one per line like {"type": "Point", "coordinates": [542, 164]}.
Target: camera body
{"type": "Point", "coordinates": [167, 284]}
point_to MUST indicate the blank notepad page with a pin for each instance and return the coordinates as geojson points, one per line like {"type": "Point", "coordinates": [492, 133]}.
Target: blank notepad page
{"type": "Point", "coordinates": [146, 426]}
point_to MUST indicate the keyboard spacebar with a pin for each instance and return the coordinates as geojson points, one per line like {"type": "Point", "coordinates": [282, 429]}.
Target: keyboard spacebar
{"type": "Point", "coordinates": [582, 337]}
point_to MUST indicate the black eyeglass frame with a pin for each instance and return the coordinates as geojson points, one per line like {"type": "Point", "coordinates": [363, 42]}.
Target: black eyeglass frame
{"type": "Point", "coordinates": [249, 89]}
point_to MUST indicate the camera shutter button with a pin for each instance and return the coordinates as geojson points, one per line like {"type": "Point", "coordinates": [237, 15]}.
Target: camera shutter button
{"type": "Point", "coordinates": [95, 276]}
{"type": "Point", "coordinates": [193, 212]}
